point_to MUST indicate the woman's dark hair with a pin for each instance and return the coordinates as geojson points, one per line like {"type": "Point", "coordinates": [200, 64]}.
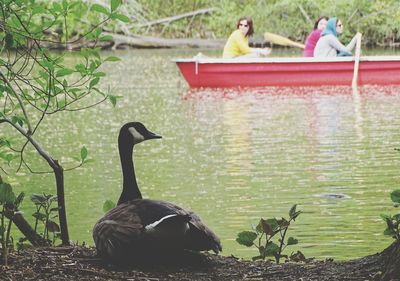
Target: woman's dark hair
{"type": "Point", "coordinates": [318, 20]}
{"type": "Point", "coordinates": [249, 22]}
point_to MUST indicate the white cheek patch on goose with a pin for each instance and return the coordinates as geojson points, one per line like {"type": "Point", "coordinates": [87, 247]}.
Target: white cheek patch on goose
{"type": "Point", "coordinates": [137, 137]}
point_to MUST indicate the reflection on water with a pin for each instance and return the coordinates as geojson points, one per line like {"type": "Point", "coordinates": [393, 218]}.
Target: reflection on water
{"type": "Point", "coordinates": [306, 146]}
{"type": "Point", "coordinates": [235, 155]}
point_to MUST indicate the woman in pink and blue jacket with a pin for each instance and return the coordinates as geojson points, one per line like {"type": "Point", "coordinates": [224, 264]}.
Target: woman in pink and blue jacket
{"type": "Point", "coordinates": [313, 37]}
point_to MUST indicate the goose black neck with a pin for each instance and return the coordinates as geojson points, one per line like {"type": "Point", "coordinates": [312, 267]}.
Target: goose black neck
{"type": "Point", "coordinates": [130, 189]}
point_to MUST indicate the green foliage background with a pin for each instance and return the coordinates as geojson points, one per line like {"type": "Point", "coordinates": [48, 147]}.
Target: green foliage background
{"type": "Point", "coordinates": [379, 20]}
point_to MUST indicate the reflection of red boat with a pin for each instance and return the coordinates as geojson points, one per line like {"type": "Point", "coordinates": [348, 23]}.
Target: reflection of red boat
{"type": "Point", "coordinates": [211, 72]}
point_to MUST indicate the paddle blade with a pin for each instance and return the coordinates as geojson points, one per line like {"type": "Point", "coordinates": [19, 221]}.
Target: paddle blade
{"type": "Point", "coordinates": [280, 40]}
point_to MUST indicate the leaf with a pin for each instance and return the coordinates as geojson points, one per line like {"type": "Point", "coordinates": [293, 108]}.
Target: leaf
{"type": "Point", "coordinates": [16, 119]}
{"type": "Point", "coordinates": [272, 249]}
{"type": "Point", "coordinates": [292, 210]}
{"type": "Point", "coordinates": [99, 74]}
{"type": "Point", "coordinates": [113, 100]}
{"type": "Point", "coordinates": [283, 223]}
{"type": "Point", "coordinates": [64, 71]}
{"type": "Point", "coordinates": [100, 9]}
{"type": "Point", "coordinates": [246, 238]}
{"type": "Point", "coordinates": [296, 215]}
{"type": "Point", "coordinates": [264, 227]}
{"type": "Point", "coordinates": [52, 226]}
{"type": "Point", "coordinates": [385, 217]}
{"type": "Point", "coordinates": [39, 216]}
{"type": "Point", "coordinates": [115, 4]}
{"type": "Point", "coordinates": [7, 195]}
{"type": "Point", "coordinates": [389, 232]}
{"type": "Point", "coordinates": [396, 217]}
{"type": "Point", "coordinates": [48, 64]}
{"type": "Point", "coordinates": [56, 8]}
{"type": "Point", "coordinates": [84, 153]}
{"type": "Point", "coordinates": [52, 198]}
{"type": "Point", "coordinates": [61, 104]}
{"type": "Point", "coordinates": [19, 199]}
{"type": "Point", "coordinates": [55, 209]}
{"type": "Point", "coordinates": [292, 241]}
{"type": "Point", "coordinates": [8, 157]}
{"type": "Point", "coordinates": [38, 199]}
{"type": "Point", "coordinates": [112, 59]}
{"type": "Point", "coordinates": [108, 205]}
{"type": "Point", "coordinates": [98, 31]}
{"type": "Point", "coordinates": [389, 223]}
{"type": "Point", "coordinates": [395, 196]}
{"type": "Point", "coordinates": [120, 17]}
{"type": "Point", "coordinates": [94, 82]}
{"type": "Point", "coordinates": [65, 5]}
{"type": "Point", "coordinates": [38, 10]}
{"type": "Point", "coordinates": [106, 38]}
{"type": "Point", "coordinates": [269, 226]}
{"type": "Point", "coordinates": [9, 40]}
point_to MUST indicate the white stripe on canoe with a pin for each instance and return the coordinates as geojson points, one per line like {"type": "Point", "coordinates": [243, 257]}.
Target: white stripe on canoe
{"type": "Point", "coordinates": [286, 59]}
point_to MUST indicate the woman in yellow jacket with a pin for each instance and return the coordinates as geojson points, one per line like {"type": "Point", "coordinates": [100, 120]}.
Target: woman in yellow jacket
{"type": "Point", "coordinates": [238, 43]}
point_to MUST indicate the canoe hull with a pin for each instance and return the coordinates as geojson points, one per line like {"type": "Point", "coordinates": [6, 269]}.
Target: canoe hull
{"type": "Point", "coordinates": [289, 72]}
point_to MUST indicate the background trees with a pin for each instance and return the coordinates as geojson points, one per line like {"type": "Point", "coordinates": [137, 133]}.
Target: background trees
{"type": "Point", "coordinates": [377, 20]}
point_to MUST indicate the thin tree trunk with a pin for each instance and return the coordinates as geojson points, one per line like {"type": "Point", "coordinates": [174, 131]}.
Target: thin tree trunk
{"type": "Point", "coordinates": [59, 174]}
{"type": "Point", "coordinates": [27, 230]}
{"type": "Point", "coordinates": [392, 262]}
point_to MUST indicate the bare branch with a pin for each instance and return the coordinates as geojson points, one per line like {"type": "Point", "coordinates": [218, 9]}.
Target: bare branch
{"type": "Point", "coordinates": [177, 17]}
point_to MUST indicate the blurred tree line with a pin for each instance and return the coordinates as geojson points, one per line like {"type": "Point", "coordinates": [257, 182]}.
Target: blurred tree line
{"type": "Point", "coordinates": [379, 20]}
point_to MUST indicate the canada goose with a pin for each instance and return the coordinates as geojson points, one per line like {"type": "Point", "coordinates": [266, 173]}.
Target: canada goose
{"type": "Point", "coordinates": [137, 228]}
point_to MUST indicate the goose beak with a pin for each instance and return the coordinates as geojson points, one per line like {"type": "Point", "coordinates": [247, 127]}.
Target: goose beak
{"type": "Point", "coordinates": [152, 135]}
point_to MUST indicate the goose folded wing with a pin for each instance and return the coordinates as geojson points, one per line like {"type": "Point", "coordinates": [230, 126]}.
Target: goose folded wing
{"type": "Point", "coordinates": [113, 239]}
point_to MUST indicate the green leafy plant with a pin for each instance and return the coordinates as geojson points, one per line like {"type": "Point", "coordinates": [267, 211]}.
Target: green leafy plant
{"type": "Point", "coordinates": [36, 83]}
{"type": "Point", "coordinates": [108, 205]}
{"type": "Point", "coordinates": [265, 232]}
{"type": "Point", "coordinates": [9, 204]}
{"type": "Point", "coordinates": [45, 213]}
{"type": "Point", "coordinates": [393, 221]}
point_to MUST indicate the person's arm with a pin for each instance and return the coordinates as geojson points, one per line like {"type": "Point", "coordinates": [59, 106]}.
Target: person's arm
{"type": "Point", "coordinates": [335, 43]}
{"type": "Point", "coordinates": [243, 46]}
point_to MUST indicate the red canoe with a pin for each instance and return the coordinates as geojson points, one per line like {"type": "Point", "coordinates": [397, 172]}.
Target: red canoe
{"type": "Point", "coordinates": [211, 72]}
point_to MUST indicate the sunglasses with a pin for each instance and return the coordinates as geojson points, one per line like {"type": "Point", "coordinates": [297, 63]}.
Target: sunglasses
{"type": "Point", "coordinates": [245, 25]}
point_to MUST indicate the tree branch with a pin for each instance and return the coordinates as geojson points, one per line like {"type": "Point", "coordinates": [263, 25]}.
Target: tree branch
{"type": "Point", "coordinates": [177, 17]}
{"type": "Point", "coordinates": [5, 80]}
{"type": "Point", "coordinates": [30, 138]}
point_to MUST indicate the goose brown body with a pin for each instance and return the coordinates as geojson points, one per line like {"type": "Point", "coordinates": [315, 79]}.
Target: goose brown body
{"type": "Point", "coordinates": [138, 227]}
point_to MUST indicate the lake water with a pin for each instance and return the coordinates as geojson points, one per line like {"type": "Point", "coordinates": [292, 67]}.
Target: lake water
{"type": "Point", "coordinates": [234, 156]}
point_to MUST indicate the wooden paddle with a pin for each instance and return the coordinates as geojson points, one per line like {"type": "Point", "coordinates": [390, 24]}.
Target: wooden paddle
{"type": "Point", "coordinates": [280, 40]}
{"type": "Point", "coordinates": [356, 61]}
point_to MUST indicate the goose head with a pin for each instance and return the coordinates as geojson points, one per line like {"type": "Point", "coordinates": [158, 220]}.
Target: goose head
{"type": "Point", "coordinates": [130, 134]}
{"type": "Point", "coordinates": [135, 132]}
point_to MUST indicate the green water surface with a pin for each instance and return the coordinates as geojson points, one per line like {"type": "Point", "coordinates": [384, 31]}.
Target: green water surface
{"type": "Point", "coordinates": [235, 155]}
